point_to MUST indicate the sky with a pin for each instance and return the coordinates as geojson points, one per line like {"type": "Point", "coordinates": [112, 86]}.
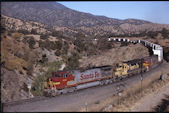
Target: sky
{"type": "Point", "coordinates": [153, 11]}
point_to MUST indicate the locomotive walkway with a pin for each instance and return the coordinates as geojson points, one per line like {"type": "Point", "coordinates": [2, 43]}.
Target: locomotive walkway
{"type": "Point", "coordinates": [87, 99]}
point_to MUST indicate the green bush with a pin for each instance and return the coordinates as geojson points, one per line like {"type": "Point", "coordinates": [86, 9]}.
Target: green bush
{"type": "Point", "coordinates": [72, 62]}
{"type": "Point", "coordinates": [38, 85]}
{"type": "Point", "coordinates": [39, 82]}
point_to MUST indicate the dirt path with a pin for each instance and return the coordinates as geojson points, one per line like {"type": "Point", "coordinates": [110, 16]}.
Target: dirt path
{"type": "Point", "coordinates": [148, 102]}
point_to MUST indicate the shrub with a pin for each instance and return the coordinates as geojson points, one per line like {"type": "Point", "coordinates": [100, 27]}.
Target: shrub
{"type": "Point", "coordinates": [57, 53]}
{"type": "Point", "coordinates": [65, 48]}
{"type": "Point", "coordinates": [31, 42]}
{"type": "Point", "coordinates": [58, 44]}
{"type": "Point", "coordinates": [44, 36]}
{"type": "Point", "coordinates": [44, 59]}
{"type": "Point", "coordinates": [50, 45]}
{"type": "Point", "coordinates": [34, 31]}
{"type": "Point", "coordinates": [37, 86]}
{"type": "Point", "coordinates": [39, 82]}
{"type": "Point", "coordinates": [80, 44]}
{"type": "Point", "coordinates": [23, 31]}
{"type": "Point", "coordinates": [165, 32]}
{"type": "Point", "coordinates": [72, 61]}
{"type": "Point", "coordinates": [55, 33]}
{"type": "Point", "coordinates": [44, 44]}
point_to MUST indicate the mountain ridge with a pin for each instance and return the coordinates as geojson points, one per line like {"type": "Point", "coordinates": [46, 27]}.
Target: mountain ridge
{"type": "Point", "coordinates": [57, 8]}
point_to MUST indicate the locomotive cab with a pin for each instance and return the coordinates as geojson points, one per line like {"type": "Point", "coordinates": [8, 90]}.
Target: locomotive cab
{"type": "Point", "coordinates": [59, 80]}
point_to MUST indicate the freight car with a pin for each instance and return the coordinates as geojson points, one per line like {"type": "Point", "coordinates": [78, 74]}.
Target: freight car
{"type": "Point", "coordinates": [71, 80]}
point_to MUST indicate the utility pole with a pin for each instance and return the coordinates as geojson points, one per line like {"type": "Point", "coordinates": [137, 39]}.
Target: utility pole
{"type": "Point", "coordinates": [141, 74]}
{"type": "Point", "coordinates": [86, 106]}
{"type": "Point", "coordinates": [119, 94]}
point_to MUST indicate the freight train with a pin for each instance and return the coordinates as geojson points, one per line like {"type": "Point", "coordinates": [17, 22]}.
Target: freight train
{"type": "Point", "coordinates": [72, 80]}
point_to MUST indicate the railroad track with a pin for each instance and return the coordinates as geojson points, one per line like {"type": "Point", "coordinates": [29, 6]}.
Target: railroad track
{"type": "Point", "coordinates": [23, 101]}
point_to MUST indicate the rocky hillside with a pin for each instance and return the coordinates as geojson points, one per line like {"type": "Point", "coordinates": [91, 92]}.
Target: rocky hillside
{"type": "Point", "coordinates": [56, 15]}
{"type": "Point", "coordinates": [115, 55]}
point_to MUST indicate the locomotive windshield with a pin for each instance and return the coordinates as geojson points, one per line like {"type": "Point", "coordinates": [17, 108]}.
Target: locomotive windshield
{"type": "Point", "coordinates": [56, 74]}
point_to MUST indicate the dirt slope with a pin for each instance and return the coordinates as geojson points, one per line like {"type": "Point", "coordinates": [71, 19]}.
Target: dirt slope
{"type": "Point", "coordinates": [116, 55]}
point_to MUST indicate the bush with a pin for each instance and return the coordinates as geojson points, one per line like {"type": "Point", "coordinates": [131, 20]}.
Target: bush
{"type": "Point", "coordinates": [37, 86]}
{"type": "Point", "coordinates": [31, 42]}
{"type": "Point", "coordinates": [39, 82]}
{"type": "Point", "coordinates": [80, 44]}
{"type": "Point", "coordinates": [65, 48]}
{"type": "Point", "coordinates": [34, 31]}
{"type": "Point", "coordinates": [57, 53]}
{"type": "Point", "coordinates": [44, 36]}
{"type": "Point", "coordinates": [55, 33]}
{"type": "Point", "coordinates": [23, 31]}
{"type": "Point", "coordinates": [44, 44]}
{"type": "Point", "coordinates": [50, 45]}
{"type": "Point", "coordinates": [44, 59]}
{"type": "Point", "coordinates": [58, 45]}
{"type": "Point", "coordinates": [165, 32]}
{"type": "Point", "coordinates": [72, 61]}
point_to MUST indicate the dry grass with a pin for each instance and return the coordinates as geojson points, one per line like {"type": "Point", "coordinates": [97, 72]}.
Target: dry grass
{"type": "Point", "coordinates": [128, 103]}
{"type": "Point", "coordinates": [17, 64]}
{"type": "Point", "coordinates": [16, 55]}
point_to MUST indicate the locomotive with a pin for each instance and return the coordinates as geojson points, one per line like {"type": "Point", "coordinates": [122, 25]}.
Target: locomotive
{"type": "Point", "coordinates": [72, 80]}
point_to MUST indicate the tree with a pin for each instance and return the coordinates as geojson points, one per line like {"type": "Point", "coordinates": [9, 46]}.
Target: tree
{"type": "Point", "coordinates": [34, 31]}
